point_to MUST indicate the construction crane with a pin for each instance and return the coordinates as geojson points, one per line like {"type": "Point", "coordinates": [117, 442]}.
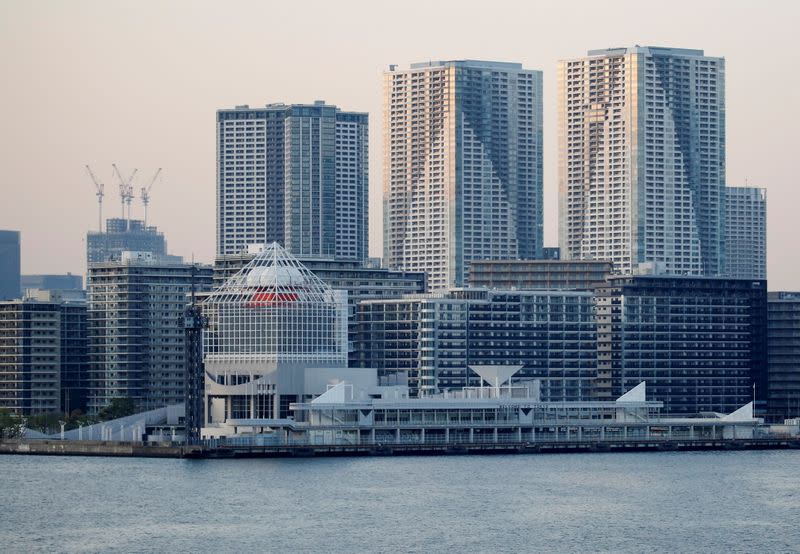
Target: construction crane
{"type": "Point", "coordinates": [125, 190]}
{"type": "Point", "coordinates": [99, 193]}
{"type": "Point", "coordinates": [146, 194]}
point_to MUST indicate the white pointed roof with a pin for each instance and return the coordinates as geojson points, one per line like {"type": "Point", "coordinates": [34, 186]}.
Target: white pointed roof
{"type": "Point", "coordinates": [636, 394]}
{"type": "Point", "coordinates": [496, 375]}
{"type": "Point", "coordinates": [275, 275]}
{"type": "Point", "coordinates": [745, 413]}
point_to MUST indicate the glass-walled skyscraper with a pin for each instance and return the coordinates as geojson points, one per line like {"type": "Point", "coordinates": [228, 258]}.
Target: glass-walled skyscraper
{"type": "Point", "coordinates": [462, 166]}
{"type": "Point", "coordinates": [642, 159]}
{"type": "Point", "coordinates": [296, 175]}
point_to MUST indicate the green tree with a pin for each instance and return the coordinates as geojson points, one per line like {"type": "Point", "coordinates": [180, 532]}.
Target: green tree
{"type": "Point", "coordinates": [10, 425]}
{"type": "Point", "coordinates": [118, 407]}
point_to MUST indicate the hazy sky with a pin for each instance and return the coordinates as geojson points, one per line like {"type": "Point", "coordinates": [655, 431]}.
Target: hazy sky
{"type": "Point", "coordinates": [138, 83]}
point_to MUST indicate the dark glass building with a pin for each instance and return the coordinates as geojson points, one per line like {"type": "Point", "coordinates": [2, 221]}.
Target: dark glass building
{"type": "Point", "coordinates": [699, 343]}
{"type": "Point", "coordinates": [783, 340]}
{"type": "Point", "coordinates": [9, 265]}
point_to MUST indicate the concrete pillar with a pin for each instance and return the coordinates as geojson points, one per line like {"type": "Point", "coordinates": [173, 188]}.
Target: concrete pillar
{"type": "Point", "coordinates": [691, 432]}
{"type": "Point", "coordinates": [519, 434]}
{"type": "Point", "coordinates": [533, 434]}
{"type": "Point", "coordinates": [580, 433]}
{"type": "Point", "coordinates": [447, 435]}
{"type": "Point", "coordinates": [603, 433]}
{"type": "Point", "coordinates": [625, 432]}
{"type": "Point", "coordinates": [372, 436]}
{"type": "Point", "coordinates": [397, 436]}
{"type": "Point", "coordinates": [471, 435]}
{"type": "Point", "coordinates": [494, 435]}
{"type": "Point", "coordinates": [422, 436]}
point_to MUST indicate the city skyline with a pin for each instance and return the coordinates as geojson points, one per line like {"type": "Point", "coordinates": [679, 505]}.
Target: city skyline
{"type": "Point", "coordinates": [150, 102]}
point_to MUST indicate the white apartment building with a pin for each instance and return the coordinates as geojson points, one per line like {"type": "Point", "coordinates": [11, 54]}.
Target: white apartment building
{"type": "Point", "coordinates": [296, 175]}
{"type": "Point", "coordinates": [462, 166]}
{"type": "Point", "coordinates": [642, 159]}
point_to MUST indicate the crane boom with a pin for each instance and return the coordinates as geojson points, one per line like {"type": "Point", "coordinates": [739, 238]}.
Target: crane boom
{"type": "Point", "coordinates": [146, 194]}
{"type": "Point", "coordinates": [99, 192]}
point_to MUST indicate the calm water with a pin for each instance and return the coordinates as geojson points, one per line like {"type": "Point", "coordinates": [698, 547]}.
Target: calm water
{"type": "Point", "coordinates": [686, 502]}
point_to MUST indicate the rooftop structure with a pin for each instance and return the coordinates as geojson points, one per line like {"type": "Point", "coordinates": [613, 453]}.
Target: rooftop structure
{"type": "Point", "coordinates": [539, 274]}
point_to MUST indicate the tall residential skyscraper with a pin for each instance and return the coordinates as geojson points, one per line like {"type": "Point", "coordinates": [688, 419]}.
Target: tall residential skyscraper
{"type": "Point", "coordinates": [746, 232]}
{"type": "Point", "coordinates": [642, 159]}
{"type": "Point", "coordinates": [9, 265]}
{"type": "Point", "coordinates": [462, 166]}
{"type": "Point", "coordinates": [296, 175]}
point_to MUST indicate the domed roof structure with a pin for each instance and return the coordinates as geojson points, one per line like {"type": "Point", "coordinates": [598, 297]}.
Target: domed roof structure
{"type": "Point", "coordinates": [275, 309]}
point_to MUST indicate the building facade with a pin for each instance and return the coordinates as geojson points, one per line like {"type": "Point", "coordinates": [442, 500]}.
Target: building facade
{"type": "Point", "coordinates": [276, 334]}
{"type": "Point", "coordinates": [359, 280]}
{"type": "Point", "coordinates": [783, 347]}
{"type": "Point", "coordinates": [699, 343]}
{"type": "Point", "coordinates": [136, 329]}
{"type": "Point", "coordinates": [642, 159]}
{"type": "Point", "coordinates": [9, 265]}
{"type": "Point", "coordinates": [429, 341]}
{"type": "Point", "coordinates": [124, 235]}
{"type": "Point", "coordinates": [296, 175]}
{"type": "Point", "coordinates": [43, 356]}
{"type": "Point", "coordinates": [746, 232]}
{"type": "Point", "coordinates": [67, 282]}
{"type": "Point", "coordinates": [462, 166]}
{"type": "Point", "coordinates": [539, 274]}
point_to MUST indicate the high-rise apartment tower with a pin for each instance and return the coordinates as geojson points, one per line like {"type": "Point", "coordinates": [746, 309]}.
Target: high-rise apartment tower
{"type": "Point", "coordinates": [642, 159]}
{"type": "Point", "coordinates": [462, 166]}
{"type": "Point", "coordinates": [746, 232]}
{"type": "Point", "coordinates": [296, 175]}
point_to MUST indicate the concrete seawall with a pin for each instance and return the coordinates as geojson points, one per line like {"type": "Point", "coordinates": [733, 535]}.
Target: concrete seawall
{"type": "Point", "coordinates": [123, 449]}
{"type": "Point", "coordinates": [91, 448]}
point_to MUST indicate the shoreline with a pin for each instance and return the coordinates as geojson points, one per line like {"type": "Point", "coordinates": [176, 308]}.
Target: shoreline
{"type": "Point", "coordinates": [138, 450]}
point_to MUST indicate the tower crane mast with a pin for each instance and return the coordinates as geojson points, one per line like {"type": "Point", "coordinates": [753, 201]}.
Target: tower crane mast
{"type": "Point", "coordinates": [99, 192]}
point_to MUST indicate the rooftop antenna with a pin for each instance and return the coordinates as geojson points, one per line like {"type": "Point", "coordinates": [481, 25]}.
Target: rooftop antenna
{"type": "Point", "coordinates": [125, 190]}
{"type": "Point", "coordinates": [146, 194]}
{"type": "Point", "coordinates": [99, 193]}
